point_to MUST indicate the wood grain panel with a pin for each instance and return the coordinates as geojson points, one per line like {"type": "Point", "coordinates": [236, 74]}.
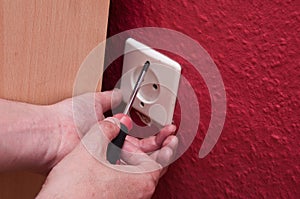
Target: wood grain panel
{"type": "Point", "coordinates": [42, 44]}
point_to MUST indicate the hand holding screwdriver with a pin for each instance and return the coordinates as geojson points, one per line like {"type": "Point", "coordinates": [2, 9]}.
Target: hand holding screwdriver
{"type": "Point", "coordinates": [114, 148]}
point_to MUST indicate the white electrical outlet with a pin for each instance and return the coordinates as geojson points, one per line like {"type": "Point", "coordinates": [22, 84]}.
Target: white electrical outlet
{"type": "Point", "coordinates": [157, 95]}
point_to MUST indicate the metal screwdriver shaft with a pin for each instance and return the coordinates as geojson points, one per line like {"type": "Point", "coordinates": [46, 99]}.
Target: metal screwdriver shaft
{"type": "Point", "coordinates": [114, 148]}
{"type": "Point", "coordinates": [136, 87]}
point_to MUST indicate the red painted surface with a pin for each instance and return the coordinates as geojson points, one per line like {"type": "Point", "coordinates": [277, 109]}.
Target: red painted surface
{"type": "Point", "coordinates": [256, 48]}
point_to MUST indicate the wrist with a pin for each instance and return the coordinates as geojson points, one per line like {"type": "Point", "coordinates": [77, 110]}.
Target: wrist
{"type": "Point", "coordinates": [63, 133]}
{"type": "Point", "coordinates": [21, 140]}
{"type": "Point", "coordinates": [31, 136]}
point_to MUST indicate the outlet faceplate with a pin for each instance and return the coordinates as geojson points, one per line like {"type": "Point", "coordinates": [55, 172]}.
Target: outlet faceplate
{"type": "Point", "coordinates": [157, 95]}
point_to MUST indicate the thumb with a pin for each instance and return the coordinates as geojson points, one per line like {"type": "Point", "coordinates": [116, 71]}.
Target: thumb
{"type": "Point", "coordinates": [107, 100]}
{"type": "Point", "coordinates": [99, 136]}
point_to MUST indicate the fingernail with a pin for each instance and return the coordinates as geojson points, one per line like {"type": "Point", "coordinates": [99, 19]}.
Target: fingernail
{"type": "Point", "coordinates": [124, 119]}
{"type": "Point", "coordinates": [172, 128]}
{"type": "Point", "coordinates": [175, 127]}
{"type": "Point", "coordinates": [112, 120]}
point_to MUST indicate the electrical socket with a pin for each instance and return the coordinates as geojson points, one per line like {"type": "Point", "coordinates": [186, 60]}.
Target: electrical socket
{"type": "Point", "coordinates": [156, 98]}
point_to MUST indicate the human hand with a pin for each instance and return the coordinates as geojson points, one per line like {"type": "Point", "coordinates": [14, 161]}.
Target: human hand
{"type": "Point", "coordinates": [35, 137]}
{"type": "Point", "coordinates": [85, 172]}
{"type": "Point", "coordinates": [46, 134]}
{"type": "Point", "coordinates": [75, 116]}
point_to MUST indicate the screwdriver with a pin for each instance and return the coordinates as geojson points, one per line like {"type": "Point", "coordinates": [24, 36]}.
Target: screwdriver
{"type": "Point", "coordinates": [114, 148]}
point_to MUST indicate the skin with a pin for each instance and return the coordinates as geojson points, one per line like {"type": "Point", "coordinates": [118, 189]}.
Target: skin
{"type": "Point", "coordinates": [136, 177]}
{"type": "Point", "coordinates": [46, 139]}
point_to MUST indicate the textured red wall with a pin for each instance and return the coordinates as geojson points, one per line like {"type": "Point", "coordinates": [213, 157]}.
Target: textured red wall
{"type": "Point", "coordinates": [255, 45]}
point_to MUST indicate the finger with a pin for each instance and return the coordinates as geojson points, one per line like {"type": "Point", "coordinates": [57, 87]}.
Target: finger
{"type": "Point", "coordinates": [133, 140]}
{"type": "Point", "coordinates": [134, 156]}
{"type": "Point", "coordinates": [128, 151]}
{"type": "Point", "coordinates": [124, 119]}
{"type": "Point", "coordinates": [107, 100]}
{"type": "Point", "coordinates": [166, 154]}
{"type": "Point", "coordinates": [153, 143]}
{"type": "Point", "coordinates": [138, 162]}
{"type": "Point", "coordinates": [130, 146]}
{"type": "Point", "coordinates": [164, 133]}
{"type": "Point", "coordinates": [88, 108]}
{"type": "Point", "coordinates": [110, 127]}
{"type": "Point", "coordinates": [99, 136]}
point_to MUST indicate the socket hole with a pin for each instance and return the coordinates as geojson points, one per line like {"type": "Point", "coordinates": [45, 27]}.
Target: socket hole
{"type": "Point", "coordinates": [155, 87]}
{"type": "Point", "coordinates": [142, 104]}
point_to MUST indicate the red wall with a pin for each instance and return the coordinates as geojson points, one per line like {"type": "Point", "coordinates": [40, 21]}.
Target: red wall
{"type": "Point", "coordinates": [256, 48]}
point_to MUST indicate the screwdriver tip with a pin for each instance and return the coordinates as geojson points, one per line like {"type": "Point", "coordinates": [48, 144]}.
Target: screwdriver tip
{"type": "Point", "coordinates": [146, 65]}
